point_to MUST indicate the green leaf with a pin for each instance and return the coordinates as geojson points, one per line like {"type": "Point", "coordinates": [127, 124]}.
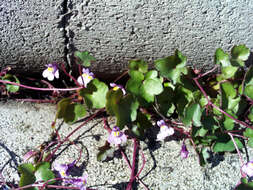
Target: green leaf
{"type": "Point", "coordinates": [123, 107]}
{"type": "Point", "coordinates": [228, 123]}
{"type": "Point", "coordinates": [172, 67]}
{"type": "Point", "coordinates": [228, 89]}
{"type": "Point", "coordinates": [10, 87]}
{"type": "Point", "coordinates": [126, 111]}
{"type": "Point", "coordinates": [248, 133]}
{"type": "Point", "coordinates": [250, 116]}
{"type": "Point", "coordinates": [151, 74]}
{"type": "Point", "coordinates": [79, 110]}
{"type": "Point", "coordinates": [69, 111]}
{"type": "Point", "coordinates": [240, 52]}
{"type": "Point", "coordinates": [113, 98]}
{"type": "Point", "coordinates": [142, 123]}
{"type": "Point", "coordinates": [85, 58]}
{"type": "Point", "coordinates": [223, 145]}
{"type": "Point", "coordinates": [193, 114]}
{"type": "Point", "coordinates": [204, 156]}
{"type": "Point", "coordinates": [222, 58]}
{"type": "Point", "coordinates": [95, 94]}
{"type": "Point", "coordinates": [165, 101]}
{"type": "Point", "coordinates": [138, 65]}
{"type": "Point", "coordinates": [249, 77]}
{"type": "Point", "coordinates": [43, 172]}
{"type": "Point", "coordinates": [250, 142]}
{"type": "Point", "coordinates": [105, 152]}
{"type": "Point", "coordinates": [248, 91]}
{"type": "Point", "coordinates": [27, 175]}
{"type": "Point", "coordinates": [150, 88]}
{"type": "Point", "coordinates": [134, 83]}
{"type": "Point", "coordinates": [228, 72]}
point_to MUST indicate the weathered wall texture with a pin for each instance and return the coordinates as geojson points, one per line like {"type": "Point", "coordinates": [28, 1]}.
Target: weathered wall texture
{"type": "Point", "coordinates": [115, 31]}
{"type": "Point", "coordinates": [30, 34]}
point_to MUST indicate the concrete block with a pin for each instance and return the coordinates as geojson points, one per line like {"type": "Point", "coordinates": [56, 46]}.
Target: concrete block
{"type": "Point", "coordinates": [31, 34]}
{"type": "Point", "coordinates": [115, 31]}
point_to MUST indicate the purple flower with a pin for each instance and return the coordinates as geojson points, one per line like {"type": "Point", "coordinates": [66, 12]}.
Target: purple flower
{"type": "Point", "coordinates": [184, 152]}
{"type": "Point", "coordinates": [86, 77]}
{"type": "Point", "coordinates": [248, 168]}
{"type": "Point", "coordinates": [116, 136]}
{"type": "Point", "coordinates": [63, 169]}
{"type": "Point", "coordinates": [117, 87]}
{"type": "Point", "coordinates": [51, 71]}
{"type": "Point", "coordinates": [165, 131]}
{"type": "Point", "coordinates": [80, 182]}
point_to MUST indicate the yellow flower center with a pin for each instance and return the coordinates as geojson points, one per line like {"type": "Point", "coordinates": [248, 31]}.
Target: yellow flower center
{"type": "Point", "coordinates": [115, 88]}
{"type": "Point", "coordinates": [63, 173]}
{"type": "Point", "coordinates": [116, 133]}
{"type": "Point", "coordinates": [50, 69]}
{"type": "Point", "coordinates": [251, 165]}
{"type": "Point", "coordinates": [87, 76]}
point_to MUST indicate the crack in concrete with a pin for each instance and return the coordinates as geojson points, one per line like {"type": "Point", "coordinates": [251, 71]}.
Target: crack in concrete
{"type": "Point", "coordinates": [66, 15]}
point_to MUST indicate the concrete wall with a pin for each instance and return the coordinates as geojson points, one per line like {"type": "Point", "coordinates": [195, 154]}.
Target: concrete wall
{"type": "Point", "coordinates": [115, 31]}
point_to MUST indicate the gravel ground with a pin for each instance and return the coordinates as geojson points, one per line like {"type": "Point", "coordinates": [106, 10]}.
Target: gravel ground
{"type": "Point", "coordinates": [24, 126]}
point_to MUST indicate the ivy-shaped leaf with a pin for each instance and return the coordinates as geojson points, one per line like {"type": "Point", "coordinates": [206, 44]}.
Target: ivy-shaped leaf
{"type": "Point", "coordinates": [69, 111]}
{"type": "Point", "coordinates": [248, 91]}
{"type": "Point", "coordinates": [224, 144]}
{"type": "Point", "coordinates": [43, 172]}
{"type": "Point", "coordinates": [193, 115]}
{"type": "Point", "coordinates": [248, 133]}
{"type": "Point", "coordinates": [228, 72]}
{"type": "Point", "coordinates": [250, 116]}
{"type": "Point", "coordinates": [239, 54]}
{"type": "Point", "coordinates": [222, 58]}
{"type": "Point", "coordinates": [172, 67]}
{"type": "Point", "coordinates": [123, 107]}
{"type": "Point", "coordinates": [165, 101]}
{"type": "Point", "coordinates": [95, 94]}
{"type": "Point", "coordinates": [150, 88]}
{"type": "Point", "coordinates": [10, 87]}
{"type": "Point", "coordinates": [138, 65]}
{"type": "Point", "coordinates": [27, 175]}
{"type": "Point", "coordinates": [134, 83]}
{"type": "Point", "coordinates": [85, 58]}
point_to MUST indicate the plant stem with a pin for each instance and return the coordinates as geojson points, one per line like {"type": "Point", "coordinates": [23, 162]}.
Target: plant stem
{"type": "Point", "coordinates": [236, 147]}
{"type": "Point", "coordinates": [40, 89]}
{"type": "Point", "coordinates": [216, 107]}
{"type": "Point", "coordinates": [79, 127]}
{"type": "Point", "coordinates": [137, 176]}
{"type": "Point", "coordinates": [132, 178]}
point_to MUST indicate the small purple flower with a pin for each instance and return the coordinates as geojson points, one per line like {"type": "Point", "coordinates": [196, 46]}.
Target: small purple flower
{"type": "Point", "coordinates": [116, 136]}
{"type": "Point", "coordinates": [116, 87]}
{"type": "Point", "coordinates": [165, 131]}
{"type": "Point", "coordinates": [184, 152]}
{"type": "Point", "coordinates": [86, 77]}
{"type": "Point", "coordinates": [63, 169]}
{"type": "Point", "coordinates": [248, 168]}
{"type": "Point", "coordinates": [51, 71]}
{"type": "Point", "coordinates": [80, 182]}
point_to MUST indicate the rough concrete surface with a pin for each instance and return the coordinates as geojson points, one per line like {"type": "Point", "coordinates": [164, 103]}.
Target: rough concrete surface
{"type": "Point", "coordinates": [25, 126]}
{"type": "Point", "coordinates": [31, 34]}
{"type": "Point", "coordinates": [36, 32]}
{"type": "Point", "coordinates": [116, 31]}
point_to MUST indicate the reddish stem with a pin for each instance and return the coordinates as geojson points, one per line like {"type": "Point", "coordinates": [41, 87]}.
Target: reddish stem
{"type": "Point", "coordinates": [132, 178]}
{"type": "Point", "coordinates": [216, 107]}
{"type": "Point", "coordinates": [79, 127]}
{"type": "Point", "coordinates": [40, 89]}
{"type": "Point", "coordinates": [70, 76]}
